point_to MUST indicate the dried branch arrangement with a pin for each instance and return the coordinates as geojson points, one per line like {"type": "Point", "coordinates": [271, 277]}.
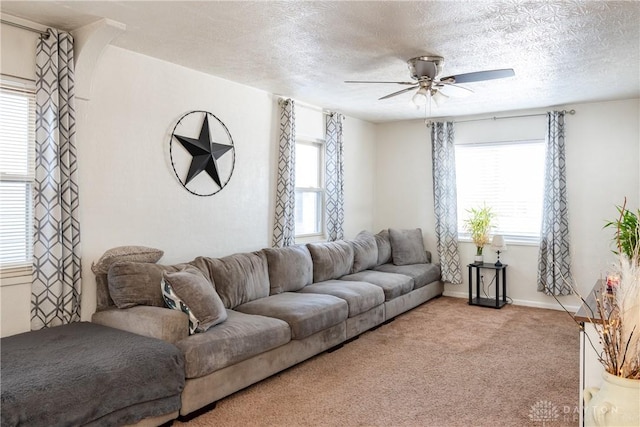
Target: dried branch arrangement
{"type": "Point", "coordinates": [617, 303]}
{"type": "Point", "coordinates": [618, 326]}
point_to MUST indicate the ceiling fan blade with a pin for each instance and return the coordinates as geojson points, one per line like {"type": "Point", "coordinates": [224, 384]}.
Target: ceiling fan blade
{"type": "Point", "coordinates": [369, 81]}
{"type": "Point", "coordinates": [453, 90]}
{"type": "Point", "coordinates": [398, 92]}
{"type": "Point", "coordinates": [479, 76]}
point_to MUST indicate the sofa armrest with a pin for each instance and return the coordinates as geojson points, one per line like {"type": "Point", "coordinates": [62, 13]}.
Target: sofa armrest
{"type": "Point", "coordinates": [156, 322]}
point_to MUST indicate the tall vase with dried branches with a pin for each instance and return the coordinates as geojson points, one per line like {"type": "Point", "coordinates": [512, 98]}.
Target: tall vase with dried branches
{"type": "Point", "coordinates": [616, 319]}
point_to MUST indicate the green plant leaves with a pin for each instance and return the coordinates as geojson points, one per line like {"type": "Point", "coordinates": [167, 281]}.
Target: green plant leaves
{"type": "Point", "coordinates": [479, 224]}
{"type": "Point", "coordinates": [627, 235]}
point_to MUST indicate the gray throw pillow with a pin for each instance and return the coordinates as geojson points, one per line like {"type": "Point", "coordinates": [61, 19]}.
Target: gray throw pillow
{"type": "Point", "coordinates": [384, 247]}
{"type": "Point", "coordinates": [407, 246]}
{"type": "Point", "coordinates": [290, 268]}
{"type": "Point", "coordinates": [196, 296]}
{"type": "Point", "coordinates": [125, 253]}
{"type": "Point", "coordinates": [238, 278]}
{"type": "Point", "coordinates": [365, 252]}
{"type": "Point", "coordinates": [137, 283]}
{"type": "Point", "coordinates": [331, 260]}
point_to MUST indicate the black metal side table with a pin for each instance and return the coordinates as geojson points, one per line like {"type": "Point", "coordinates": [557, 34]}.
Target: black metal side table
{"type": "Point", "coordinates": [488, 302]}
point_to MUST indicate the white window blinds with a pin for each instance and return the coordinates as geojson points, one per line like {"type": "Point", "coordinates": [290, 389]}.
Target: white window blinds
{"type": "Point", "coordinates": [17, 158]}
{"type": "Point", "coordinates": [509, 178]}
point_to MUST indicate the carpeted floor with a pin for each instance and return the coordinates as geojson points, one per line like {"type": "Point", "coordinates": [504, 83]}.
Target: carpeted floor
{"type": "Point", "coordinates": [444, 363]}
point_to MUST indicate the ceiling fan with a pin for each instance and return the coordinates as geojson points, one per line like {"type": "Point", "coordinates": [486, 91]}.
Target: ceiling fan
{"type": "Point", "coordinates": [425, 72]}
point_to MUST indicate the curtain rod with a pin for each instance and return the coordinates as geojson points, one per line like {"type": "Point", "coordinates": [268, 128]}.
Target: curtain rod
{"type": "Point", "coordinates": [572, 112]}
{"type": "Point", "coordinates": [283, 100]}
{"type": "Point", "coordinates": [44, 34]}
{"type": "Point", "coordinates": [17, 78]}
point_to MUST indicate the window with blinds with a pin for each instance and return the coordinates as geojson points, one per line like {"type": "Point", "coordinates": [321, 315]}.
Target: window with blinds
{"type": "Point", "coordinates": [17, 159]}
{"type": "Point", "coordinates": [508, 177]}
{"type": "Point", "coordinates": [309, 188]}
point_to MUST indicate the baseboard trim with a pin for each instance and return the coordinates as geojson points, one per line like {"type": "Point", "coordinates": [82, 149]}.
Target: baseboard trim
{"type": "Point", "coordinates": [527, 303]}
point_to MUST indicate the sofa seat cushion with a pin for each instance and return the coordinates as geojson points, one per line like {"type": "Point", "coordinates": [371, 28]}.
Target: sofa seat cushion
{"type": "Point", "coordinates": [393, 285]}
{"type": "Point", "coordinates": [422, 274]}
{"type": "Point", "coordinates": [306, 314]}
{"type": "Point", "coordinates": [240, 337]}
{"type": "Point", "coordinates": [360, 296]}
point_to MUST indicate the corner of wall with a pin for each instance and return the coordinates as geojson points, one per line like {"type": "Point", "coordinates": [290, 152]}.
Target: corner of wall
{"type": "Point", "coordinates": [89, 42]}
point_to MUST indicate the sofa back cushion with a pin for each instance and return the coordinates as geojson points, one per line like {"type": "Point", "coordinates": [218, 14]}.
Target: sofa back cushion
{"type": "Point", "coordinates": [407, 246]}
{"type": "Point", "coordinates": [365, 252]}
{"type": "Point", "coordinates": [138, 283]}
{"type": "Point", "coordinates": [112, 256]}
{"type": "Point", "coordinates": [331, 260]}
{"type": "Point", "coordinates": [238, 278]}
{"type": "Point", "coordinates": [290, 268]}
{"type": "Point", "coordinates": [384, 247]}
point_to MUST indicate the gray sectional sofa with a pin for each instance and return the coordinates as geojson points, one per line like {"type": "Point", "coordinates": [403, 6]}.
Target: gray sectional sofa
{"type": "Point", "coordinates": [279, 306]}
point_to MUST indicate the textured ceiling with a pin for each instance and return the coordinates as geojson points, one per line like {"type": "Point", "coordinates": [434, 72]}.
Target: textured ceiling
{"type": "Point", "coordinates": [562, 51]}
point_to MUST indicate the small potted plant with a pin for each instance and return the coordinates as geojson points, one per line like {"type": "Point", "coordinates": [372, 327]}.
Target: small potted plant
{"type": "Point", "coordinates": [479, 225]}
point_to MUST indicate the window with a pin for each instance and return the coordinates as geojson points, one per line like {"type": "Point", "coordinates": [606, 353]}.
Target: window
{"type": "Point", "coordinates": [508, 177]}
{"type": "Point", "coordinates": [309, 188]}
{"type": "Point", "coordinates": [17, 158]}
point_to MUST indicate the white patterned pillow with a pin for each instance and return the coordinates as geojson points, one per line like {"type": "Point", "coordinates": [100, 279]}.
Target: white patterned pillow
{"type": "Point", "coordinates": [174, 302]}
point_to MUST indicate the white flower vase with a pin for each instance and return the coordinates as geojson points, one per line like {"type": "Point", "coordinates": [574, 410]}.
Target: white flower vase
{"type": "Point", "coordinates": [616, 403]}
{"type": "Point", "coordinates": [478, 259]}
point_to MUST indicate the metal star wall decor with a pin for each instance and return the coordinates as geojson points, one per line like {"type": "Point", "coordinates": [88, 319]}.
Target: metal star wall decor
{"type": "Point", "coordinates": [205, 152]}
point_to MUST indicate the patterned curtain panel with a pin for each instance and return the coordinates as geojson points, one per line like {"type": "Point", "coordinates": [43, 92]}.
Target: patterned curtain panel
{"type": "Point", "coordinates": [445, 200]}
{"type": "Point", "coordinates": [56, 254]}
{"type": "Point", "coordinates": [334, 177]}
{"type": "Point", "coordinates": [284, 228]}
{"type": "Point", "coordinates": [553, 259]}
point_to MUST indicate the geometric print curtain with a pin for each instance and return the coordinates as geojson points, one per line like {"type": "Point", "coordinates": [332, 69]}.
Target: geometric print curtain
{"type": "Point", "coordinates": [55, 297]}
{"type": "Point", "coordinates": [334, 177]}
{"type": "Point", "coordinates": [284, 227]}
{"type": "Point", "coordinates": [554, 261]}
{"type": "Point", "coordinates": [445, 200]}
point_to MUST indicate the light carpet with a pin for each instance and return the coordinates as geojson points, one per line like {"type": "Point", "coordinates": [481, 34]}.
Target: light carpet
{"type": "Point", "coordinates": [444, 363]}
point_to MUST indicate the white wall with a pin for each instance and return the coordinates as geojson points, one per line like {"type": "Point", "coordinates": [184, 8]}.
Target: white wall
{"type": "Point", "coordinates": [602, 167]}
{"type": "Point", "coordinates": [404, 190]}
{"type": "Point", "coordinates": [359, 158]}
{"type": "Point", "coordinates": [129, 194]}
{"type": "Point", "coordinates": [18, 49]}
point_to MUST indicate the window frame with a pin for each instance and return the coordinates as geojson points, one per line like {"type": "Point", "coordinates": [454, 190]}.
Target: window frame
{"type": "Point", "coordinates": [512, 239]}
{"type": "Point", "coordinates": [28, 90]}
{"type": "Point", "coordinates": [320, 144]}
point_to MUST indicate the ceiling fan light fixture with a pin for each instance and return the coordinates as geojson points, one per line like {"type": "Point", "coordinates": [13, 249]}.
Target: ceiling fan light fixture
{"type": "Point", "coordinates": [439, 98]}
{"type": "Point", "coordinates": [420, 97]}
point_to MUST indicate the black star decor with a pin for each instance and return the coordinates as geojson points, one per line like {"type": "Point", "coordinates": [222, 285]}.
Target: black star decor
{"type": "Point", "coordinates": [205, 153]}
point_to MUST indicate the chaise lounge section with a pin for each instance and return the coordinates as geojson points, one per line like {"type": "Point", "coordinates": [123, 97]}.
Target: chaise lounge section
{"type": "Point", "coordinates": [277, 307]}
